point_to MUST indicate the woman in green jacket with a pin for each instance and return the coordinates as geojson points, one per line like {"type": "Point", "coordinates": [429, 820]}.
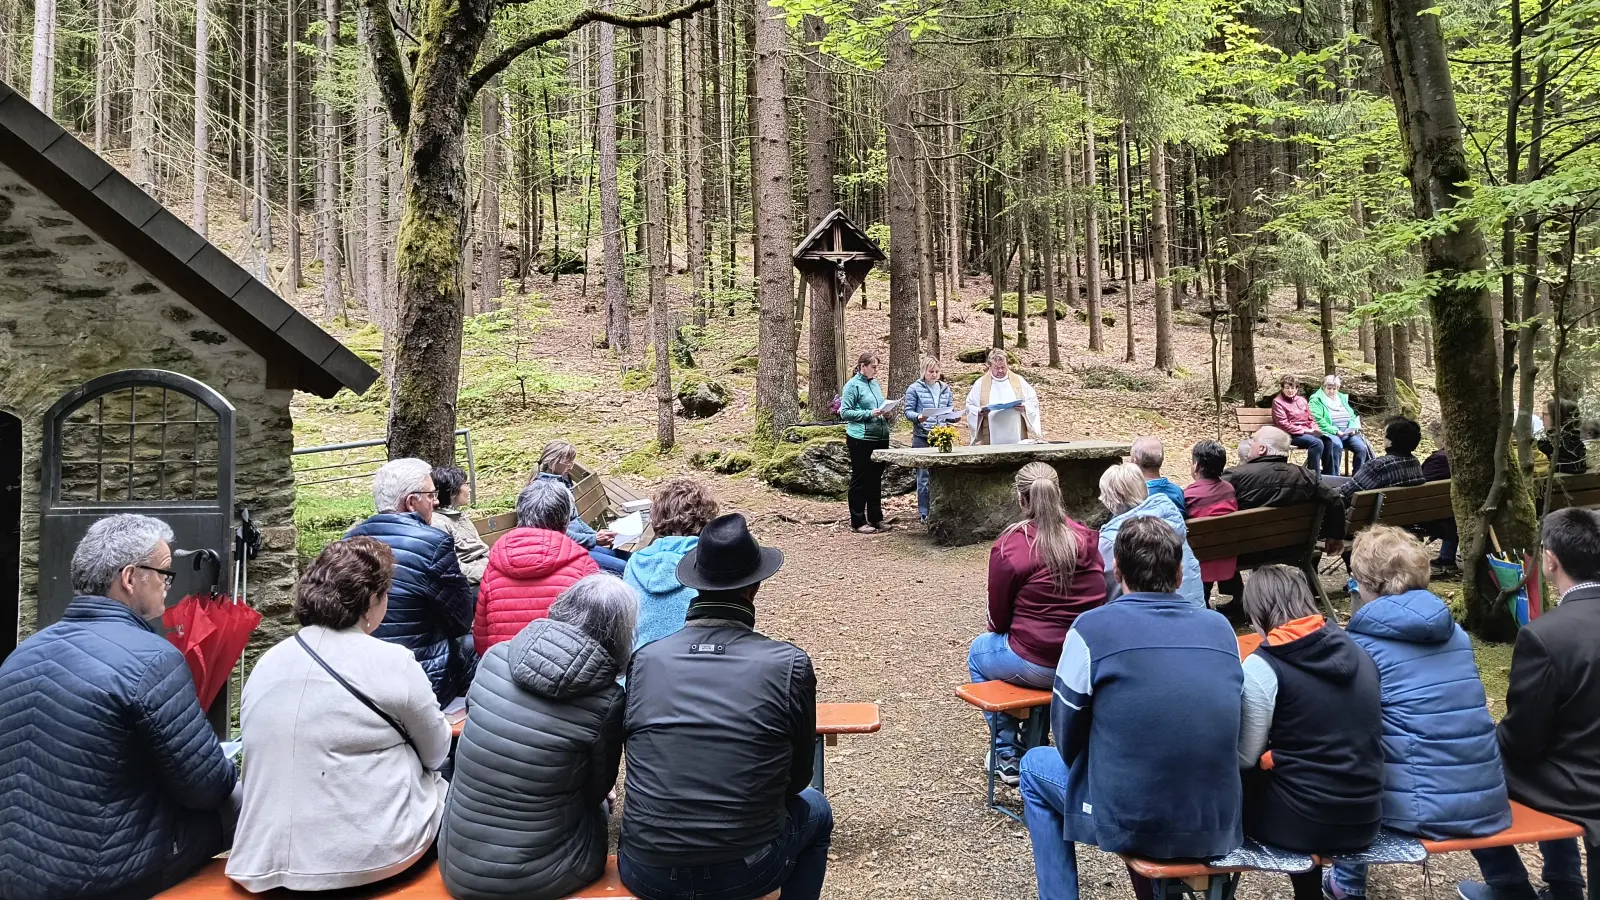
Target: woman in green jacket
{"type": "Point", "coordinates": [1331, 409]}
{"type": "Point", "coordinates": [861, 405]}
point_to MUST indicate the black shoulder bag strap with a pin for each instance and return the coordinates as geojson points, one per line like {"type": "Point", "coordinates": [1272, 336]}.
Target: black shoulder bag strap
{"type": "Point", "coordinates": [367, 701]}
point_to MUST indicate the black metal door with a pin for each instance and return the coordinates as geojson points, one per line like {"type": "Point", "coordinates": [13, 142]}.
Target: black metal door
{"type": "Point", "coordinates": [10, 531]}
{"type": "Point", "coordinates": [139, 441]}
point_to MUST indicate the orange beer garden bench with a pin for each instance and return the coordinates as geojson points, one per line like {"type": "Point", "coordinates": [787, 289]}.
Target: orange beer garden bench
{"type": "Point", "coordinates": [1260, 537]}
{"type": "Point", "coordinates": [1029, 705]}
{"type": "Point", "coordinates": [834, 719]}
{"type": "Point", "coordinates": [419, 883]}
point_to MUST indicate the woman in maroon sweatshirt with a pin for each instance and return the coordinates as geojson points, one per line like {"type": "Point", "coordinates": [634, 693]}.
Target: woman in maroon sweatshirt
{"type": "Point", "coordinates": [1043, 572]}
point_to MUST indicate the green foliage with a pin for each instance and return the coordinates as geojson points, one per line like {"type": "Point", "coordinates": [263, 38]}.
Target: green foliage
{"type": "Point", "coordinates": [1108, 378]}
{"type": "Point", "coordinates": [320, 519]}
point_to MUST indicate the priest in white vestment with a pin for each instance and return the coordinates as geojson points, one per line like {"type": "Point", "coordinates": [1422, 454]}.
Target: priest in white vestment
{"type": "Point", "coordinates": [999, 385]}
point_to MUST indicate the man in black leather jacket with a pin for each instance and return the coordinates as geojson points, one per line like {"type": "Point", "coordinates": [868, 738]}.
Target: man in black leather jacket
{"type": "Point", "coordinates": [721, 728]}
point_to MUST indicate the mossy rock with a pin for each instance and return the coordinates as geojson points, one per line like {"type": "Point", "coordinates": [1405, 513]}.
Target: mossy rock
{"type": "Point", "coordinates": [1107, 317]}
{"type": "Point", "coordinates": [821, 468]}
{"type": "Point", "coordinates": [1110, 378]}
{"type": "Point", "coordinates": [980, 355]}
{"type": "Point", "coordinates": [702, 398]}
{"type": "Point", "coordinates": [1008, 306]}
{"type": "Point", "coordinates": [637, 379]}
{"type": "Point", "coordinates": [799, 434]}
{"type": "Point", "coordinates": [567, 262]}
{"type": "Point", "coordinates": [743, 365]}
{"type": "Point", "coordinates": [730, 463]}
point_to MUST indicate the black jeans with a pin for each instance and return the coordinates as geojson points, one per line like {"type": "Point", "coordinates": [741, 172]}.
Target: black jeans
{"type": "Point", "coordinates": [866, 481]}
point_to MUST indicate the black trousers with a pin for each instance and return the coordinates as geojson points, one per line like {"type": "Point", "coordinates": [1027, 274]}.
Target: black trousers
{"type": "Point", "coordinates": [866, 481]}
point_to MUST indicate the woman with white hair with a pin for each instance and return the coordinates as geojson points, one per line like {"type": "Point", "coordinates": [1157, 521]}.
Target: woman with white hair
{"type": "Point", "coordinates": [1124, 492]}
{"type": "Point", "coordinates": [1337, 420]}
{"type": "Point", "coordinates": [529, 567]}
{"type": "Point", "coordinates": [1002, 407]}
{"type": "Point", "coordinates": [540, 751]}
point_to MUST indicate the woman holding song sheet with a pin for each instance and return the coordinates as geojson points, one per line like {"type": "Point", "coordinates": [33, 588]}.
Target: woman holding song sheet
{"type": "Point", "coordinates": [928, 403]}
{"type": "Point", "coordinates": [866, 413]}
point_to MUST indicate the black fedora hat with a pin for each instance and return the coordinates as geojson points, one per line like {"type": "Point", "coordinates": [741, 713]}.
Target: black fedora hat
{"type": "Point", "coordinates": [727, 557]}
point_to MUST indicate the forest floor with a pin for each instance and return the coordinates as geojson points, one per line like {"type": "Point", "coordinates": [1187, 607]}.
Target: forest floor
{"type": "Point", "coordinates": [886, 618]}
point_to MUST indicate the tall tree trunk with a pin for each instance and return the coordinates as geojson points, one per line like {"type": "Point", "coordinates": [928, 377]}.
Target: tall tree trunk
{"type": "Point", "coordinates": [329, 237]}
{"type": "Point", "coordinates": [1091, 216]}
{"type": "Point", "coordinates": [143, 137]}
{"type": "Point", "coordinates": [296, 272]}
{"type": "Point", "coordinates": [821, 138]}
{"type": "Point", "coordinates": [104, 61]}
{"type": "Point", "coordinates": [929, 299]}
{"type": "Point", "coordinates": [694, 191]}
{"type": "Point", "coordinates": [202, 114]}
{"type": "Point", "coordinates": [491, 288]}
{"type": "Point", "coordinates": [749, 12]}
{"type": "Point", "coordinates": [372, 230]}
{"type": "Point", "coordinates": [900, 144]}
{"type": "Point", "coordinates": [1474, 398]}
{"type": "Point", "coordinates": [1239, 275]}
{"type": "Point", "coordinates": [43, 74]}
{"type": "Point", "coordinates": [1401, 346]}
{"type": "Point", "coordinates": [1159, 236]}
{"type": "Point", "coordinates": [952, 202]}
{"type": "Point", "coordinates": [1123, 183]}
{"type": "Point", "coordinates": [1047, 248]}
{"type": "Point", "coordinates": [776, 400]}
{"type": "Point", "coordinates": [1384, 347]}
{"type": "Point", "coordinates": [1020, 222]}
{"type": "Point", "coordinates": [653, 112]}
{"type": "Point", "coordinates": [616, 276]}
{"type": "Point", "coordinates": [258, 174]}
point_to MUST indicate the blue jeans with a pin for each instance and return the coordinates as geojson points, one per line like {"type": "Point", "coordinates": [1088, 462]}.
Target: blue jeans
{"type": "Point", "coordinates": [797, 862]}
{"type": "Point", "coordinates": [1046, 799]}
{"type": "Point", "coordinates": [923, 476]}
{"type": "Point", "coordinates": [609, 560]}
{"type": "Point", "coordinates": [990, 658]}
{"type": "Point", "coordinates": [1317, 450]}
{"type": "Point", "coordinates": [1355, 444]}
{"type": "Point", "coordinates": [1503, 870]}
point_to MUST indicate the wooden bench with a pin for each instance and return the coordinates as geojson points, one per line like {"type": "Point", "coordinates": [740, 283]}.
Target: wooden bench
{"type": "Point", "coordinates": [1252, 418]}
{"type": "Point", "coordinates": [834, 719]}
{"type": "Point", "coordinates": [419, 883]}
{"type": "Point", "coordinates": [1190, 880]}
{"type": "Point", "coordinates": [1260, 537]}
{"type": "Point", "coordinates": [1582, 491]}
{"type": "Point", "coordinates": [1030, 705]}
{"type": "Point", "coordinates": [599, 500]}
{"type": "Point", "coordinates": [1399, 506]}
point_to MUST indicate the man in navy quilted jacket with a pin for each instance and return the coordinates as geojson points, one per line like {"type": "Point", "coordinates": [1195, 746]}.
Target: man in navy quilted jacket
{"type": "Point", "coordinates": [431, 602]}
{"type": "Point", "coordinates": [112, 783]}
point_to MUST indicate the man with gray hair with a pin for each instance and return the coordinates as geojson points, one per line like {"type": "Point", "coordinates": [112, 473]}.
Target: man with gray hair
{"type": "Point", "coordinates": [112, 783]}
{"type": "Point", "coordinates": [1148, 454]}
{"type": "Point", "coordinates": [430, 604]}
{"type": "Point", "coordinates": [1269, 479]}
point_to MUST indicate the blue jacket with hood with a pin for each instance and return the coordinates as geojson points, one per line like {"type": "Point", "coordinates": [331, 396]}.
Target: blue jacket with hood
{"type": "Point", "coordinates": [663, 601]}
{"type": "Point", "coordinates": [1442, 774]}
{"type": "Point", "coordinates": [1160, 507]}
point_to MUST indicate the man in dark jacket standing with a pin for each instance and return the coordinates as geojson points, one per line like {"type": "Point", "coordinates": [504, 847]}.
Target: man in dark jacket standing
{"type": "Point", "coordinates": [1269, 479]}
{"type": "Point", "coordinates": [721, 728]}
{"type": "Point", "coordinates": [1550, 735]}
{"type": "Point", "coordinates": [1146, 717]}
{"type": "Point", "coordinates": [112, 784]}
{"type": "Point", "coordinates": [431, 602]}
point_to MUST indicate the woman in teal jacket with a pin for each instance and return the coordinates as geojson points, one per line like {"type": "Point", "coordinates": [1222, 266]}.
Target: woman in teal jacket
{"type": "Point", "coordinates": [867, 429]}
{"type": "Point", "coordinates": [1331, 409]}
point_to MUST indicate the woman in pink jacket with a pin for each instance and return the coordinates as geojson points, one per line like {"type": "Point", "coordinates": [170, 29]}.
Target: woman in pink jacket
{"type": "Point", "coordinates": [529, 566]}
{"type": "Point", "coordinates": [1291, 413]}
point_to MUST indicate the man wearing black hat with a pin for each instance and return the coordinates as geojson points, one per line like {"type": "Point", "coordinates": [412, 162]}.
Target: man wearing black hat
{"type": "Point", "coordinates": [721, 723]}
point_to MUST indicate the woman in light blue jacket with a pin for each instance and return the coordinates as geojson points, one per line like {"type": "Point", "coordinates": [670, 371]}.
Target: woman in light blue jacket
{"type": "Point", "coordinates": [1124, 492]}
{"type": "Point", "coordinates": [930, 392]}
{"type": "Point", "coordinates": [861, 405]}
{"type": "Point", "coordinates": [678, 511]}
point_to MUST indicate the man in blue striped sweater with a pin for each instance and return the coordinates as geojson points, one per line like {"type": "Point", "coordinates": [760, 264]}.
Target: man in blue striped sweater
{"type": "Point", "coordinates": [1146, 717]}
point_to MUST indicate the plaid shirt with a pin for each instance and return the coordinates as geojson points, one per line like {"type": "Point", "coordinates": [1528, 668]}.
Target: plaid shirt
{"type": "Point", "coordinates": [1390, 470]}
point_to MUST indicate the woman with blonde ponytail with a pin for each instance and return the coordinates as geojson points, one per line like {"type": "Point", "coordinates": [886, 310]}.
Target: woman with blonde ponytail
{"type": "Point", "coordinates": [1044, 572]}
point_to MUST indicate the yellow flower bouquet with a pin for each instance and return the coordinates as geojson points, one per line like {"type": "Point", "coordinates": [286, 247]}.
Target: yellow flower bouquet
{"type": "Point", "coordinates": [942, 437]}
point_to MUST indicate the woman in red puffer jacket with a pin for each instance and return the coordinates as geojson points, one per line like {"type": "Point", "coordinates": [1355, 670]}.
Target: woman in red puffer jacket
{"type": "Point", "coordinates": [529, 566]}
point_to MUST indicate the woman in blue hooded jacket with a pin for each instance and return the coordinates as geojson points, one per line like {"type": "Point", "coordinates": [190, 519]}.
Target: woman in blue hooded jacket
{"type": "Point", "coordinates": [1124, 492]}
{"type": "Point", "coordinates": [678, 512]}
{"type": "Point", "coordinates": [1442, 764]}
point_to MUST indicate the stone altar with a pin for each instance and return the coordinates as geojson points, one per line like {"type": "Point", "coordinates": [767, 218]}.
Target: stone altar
{"type": "Point", "coordinates": [970, 489]}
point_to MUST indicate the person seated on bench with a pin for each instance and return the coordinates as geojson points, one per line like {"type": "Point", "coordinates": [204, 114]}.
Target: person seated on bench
{"type": "Point", "coordinates": [1268, 479]}
{"type": "Point", "coordinates": [1292, 413]}
{"type": "Point", "coordinates": [1123, 491]}
{"type": "Point", "coordinates": [1550, 734]}
{"type": "Point", "coordinates": [1146, 718]}
{"type": "Point", "coordinates": [1442, 775]}
{"type": "Point", "coordinates": [1043, 573]}
{"type": "Point", "coordinates": [555, 464]}
{"type": "Point", "coordinates": [1148, 454]}
{"type": "Point", "coordinates": [112, 783]}
{"type": "Point", "coordinates": [1562, 442]}
{"type": "Point", "coordinates": [539, 752]}
{"type": "Point", "coordinates": [430, 603]}
{"type": "Point", "coordinates": [721, 728]}
{"type": "Point", "coordinates": [1437, 468]}
{"type": "Point", "coordinates": [680, 509]}
{"type": "Point", "coordinates": [1311, 731]}
{"type": "Point", "coordinates": [343, 739]}
{"type": "Point", "coordinates": [1208, 495]}
{"type": "Point", "coordinates": [529, 567]}
{"type": "Point", "coordinates": [1397, 467]}
{"type": "Point", "coordinates": [1337, 419]}
{"type": "Point", "coordinates": [472, 554]}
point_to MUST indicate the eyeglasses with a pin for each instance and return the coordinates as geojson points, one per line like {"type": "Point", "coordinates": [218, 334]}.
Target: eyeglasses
{"type": "Point", "coordinates": [434, 494]}
{"type": "Point", "coordinates": [166, 574]}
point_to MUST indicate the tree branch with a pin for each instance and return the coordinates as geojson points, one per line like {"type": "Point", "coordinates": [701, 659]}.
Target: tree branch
{"type": "Point", "coordinates": [555, 33]}
{"type": "Point", "coordinates": [387, 66]}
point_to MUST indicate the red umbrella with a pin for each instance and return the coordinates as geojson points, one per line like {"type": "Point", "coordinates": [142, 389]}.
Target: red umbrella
{"type": "Point", "coordinates": [212, 631]}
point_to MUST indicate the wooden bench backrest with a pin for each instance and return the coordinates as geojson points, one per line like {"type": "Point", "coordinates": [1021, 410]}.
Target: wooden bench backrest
{"type": "Point", "coordinates": [1572, 490]}
{"type": "Point", "coordinates": [493, 527]}
{"type": "Point", "coordinates": [1252, 417]}
{"type": "Point", "coordinates": [589, 491]}
{"type": "Point", "coordinates": [1401, 506]}
{"type": "Point", "coordinates": [1256, 536]}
